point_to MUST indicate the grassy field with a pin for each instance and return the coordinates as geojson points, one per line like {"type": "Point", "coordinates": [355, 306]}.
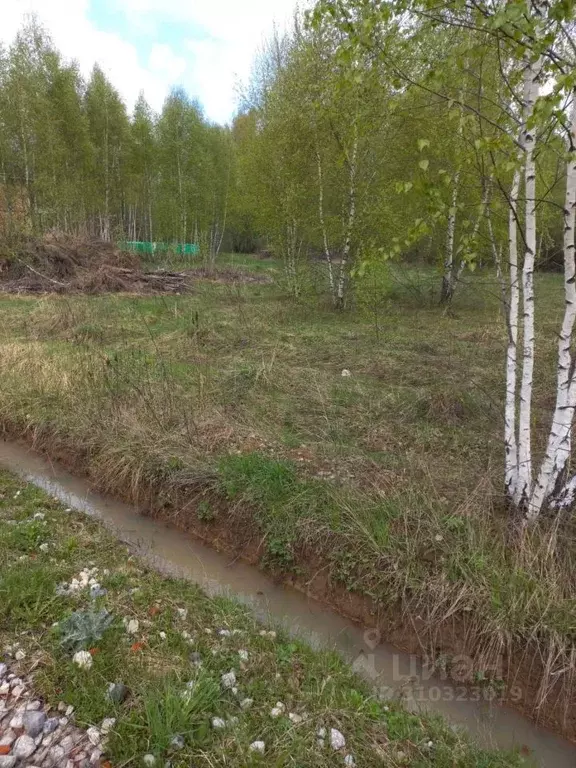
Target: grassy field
{"type": "Point", "coordinates": [387, 479]}
{"type": "Point", "coordinates": [173, 657]}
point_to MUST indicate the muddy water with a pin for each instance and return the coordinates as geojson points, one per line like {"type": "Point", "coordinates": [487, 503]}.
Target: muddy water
{"type": "Point", "coordinates": [394, 673]}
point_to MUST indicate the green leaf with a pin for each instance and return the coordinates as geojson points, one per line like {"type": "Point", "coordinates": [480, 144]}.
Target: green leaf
{"type": "Point", "coordinates": [422, 143]}
{"type": "Point", "coordinates": [424, 164]}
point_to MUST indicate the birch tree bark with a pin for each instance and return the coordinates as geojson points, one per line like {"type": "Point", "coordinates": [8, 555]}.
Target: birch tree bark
{"type": "Point", "coordinates": [531, 91]}
{"type": "Point", "coordinates": [352, 168]}
{"type": "Point", "coordinates": [551, 483]}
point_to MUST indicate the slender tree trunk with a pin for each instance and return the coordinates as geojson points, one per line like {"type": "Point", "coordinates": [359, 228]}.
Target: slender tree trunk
{"type": "Point", "coordinates": [552, 475]}
{"type": "Point", "coordinates": [531, 88]}
{"type": "Point", "coordinates": [448, 277]}
{"type": "Point", "coordinates": [323, 223]}
{"type": "Point", "coordinates": [353, 167]}
{"type": "Point", "coordinates": [510, 442]}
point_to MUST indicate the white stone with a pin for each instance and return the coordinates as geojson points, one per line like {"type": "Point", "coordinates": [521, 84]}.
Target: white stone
{"type": "Point", "coordinates": [20, 655]}
{"type": "Point", "coordinates": [182, 613]}
{"type": "Point", "coordinates": [349, 761]}
{"type": "Point", "coordinates": [94, 736]}
{"type": "Point", "coordinates": [243, 654]}
{"type": "Point", "coordinates": [3, 670]}
{"type": "Point", "coordinates": [83, 659]}
{"type": "Point", "coordinates": [258, 746]}
{"type": "Point", "coordinates": [218, 722]}
{"type": "Point", "coordinates": [107, 724]}
{"type": "Point", "coordinates": [33, 706]}
{"type": "Point", "coordinates": [44, 547]}
{"type": "Point", "coordinates": [162, 635]}
{"type": "Point", "coordinates": [246, 703]}
{"type": "Point", "coordinates": [69, 710]}
{"type": "Point", "coordinates": [149, 760]}
{"type": "Point", "coordinates": [17, 721]}
{"type": "Point", "coordinates": [229, 679]}
{"type": "Point", "coordinates": [346, 373]}
{"type": "Point", "coordinates": [294, 718]}
{"type": "Point", "coordinates": [18, 691]}
{"type": "Point", "coordinates": [337, 740]}
{"type": "Point", "coordinates": [132, 626]}
{"type": "Point", "coordinates": [23, 747]}
{"type": "Point", "coordinates": [278, 709]}
{"type": "Point", "coordinates": [224, 632]}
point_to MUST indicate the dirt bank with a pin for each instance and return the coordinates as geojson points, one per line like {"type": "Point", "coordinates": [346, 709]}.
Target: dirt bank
{"type": "Point", "coordinates": [456, 643]}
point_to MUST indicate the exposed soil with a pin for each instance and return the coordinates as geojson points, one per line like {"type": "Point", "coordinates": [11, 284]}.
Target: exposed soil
{"type": "Point", "coordinates": [58, 263]}
{"type": "Point", "coordinates": [523, 669]}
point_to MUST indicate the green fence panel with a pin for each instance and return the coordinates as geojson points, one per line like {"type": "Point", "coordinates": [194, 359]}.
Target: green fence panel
{"type": "Point", "coordinates": [183, 249]}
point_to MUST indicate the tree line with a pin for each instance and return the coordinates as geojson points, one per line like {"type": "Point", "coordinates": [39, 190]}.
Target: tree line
{"type": "Point", "coordinates": [73, 159]}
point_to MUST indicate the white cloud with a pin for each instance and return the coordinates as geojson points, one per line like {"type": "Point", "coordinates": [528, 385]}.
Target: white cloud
{"type": "Point", "coordinates": [222, 37]}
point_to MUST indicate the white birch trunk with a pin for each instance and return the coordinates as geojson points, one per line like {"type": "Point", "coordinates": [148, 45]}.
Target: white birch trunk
{"type": "Point", "coordinates": [353, 162]}
{"type": "Point", "coordinates": [323, 223]}
{"type": "Point", "coordinates": [512, 311]}
{"type": "Point", "coordinates": [448, 278]}
{"type": "Point", "coordinates": [531, 88]}
{"type": "Point", "coordinates": [554, 465]}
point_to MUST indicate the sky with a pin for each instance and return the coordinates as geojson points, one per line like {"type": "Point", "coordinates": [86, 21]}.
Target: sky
{"type": "Point", "coordinates": [205, 46]}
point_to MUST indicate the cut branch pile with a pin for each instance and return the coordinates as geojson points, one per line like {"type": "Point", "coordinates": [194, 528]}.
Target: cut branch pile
{"type": "Point", "coordinates": [58, 263]}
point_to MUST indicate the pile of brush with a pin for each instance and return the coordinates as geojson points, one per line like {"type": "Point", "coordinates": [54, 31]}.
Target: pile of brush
{"type": "Point", "coordinates": [59, 263]}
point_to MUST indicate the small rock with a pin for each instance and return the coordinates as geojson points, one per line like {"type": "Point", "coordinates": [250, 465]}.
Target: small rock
{"type": "Point", "coordinates": [34, 706]}
{"type": "Point", "coordinates": [229, 679]}
{"type": "Point", "coordinates": [346, 373]}
{"type": "Point", "coordinates": [18, 690]}
{"type": "Point", "coordinates": [63, 722]}
{"type": "Point", "coordinates": [178, 742]}
{"type": "Point", "coordinates": [162, 635]}
{"type": "Point", "coordinates": [107, 724]}
{"type": "Point", "coordinates": [56, 754]}
{"type": "Point", "coordinates": [23, 747]}
{"type": "Point", "coordinates": [51, 724]}
{"type": "Point", "coordinates": [246, 703]}
{"type": "Point", "coordinates": [44, 547]}
{"type": "Point", "coordinates": [95, 756]}
{"type": "Point", "coordinates": [34, 723]}
{"type": "Point", "coordinates": [20, 655]}
{"type": "Point", "coordinates": [3, 670]}
{"type": "Point", "coordinates": [17, 721]}
{"type": "Point", "coordinates": [62, 706]}
{"type": "Point", "coordinates": [8, 739]}
{"type": "Point", "coordinates": [132, 626]}
{"type": "Point", "coordinates": [117, 692]}
{"type": "Point", "coordinates": [243, 655]}
{"type": "Point", "coordinates": [349, 761]}
{"type": "Point", "coordinates": [149, 760]}
{"type": "Point", "coordinates": [196, 658]}
{"type": "Point", "coordinates": [7, 761]}
{"type": "Point", "coordinates": [4, 688]}
{"type": "Point", "coordinates": [224, 632]}
{"type": "Point", "coordinates": [94, 736]}
{"type": "Point", "coordinates": [182, 613]}
{"type": "Point", "coordinates": [39, 516]}
{"type": "Point", "coordinates": [67, 744]}
{"type": "Point", "coordinates": [218, 722]}
{"type": "Point", "coordinates": [83, 659]}
{"type": "Point", "coordinates": [337, 740]}
{"type": "Point", "coordinates": [294, 718]}
{"type": "Point", "coordinates": [258, 746]}
{"type": "Point", "coordinates": [321, 733]}
{"type": "Point", "coordinates": [277, 710]}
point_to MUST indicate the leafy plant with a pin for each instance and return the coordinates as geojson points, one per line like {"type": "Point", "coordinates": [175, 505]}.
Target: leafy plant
{"type": "Point", "coordinates": [82, 629]}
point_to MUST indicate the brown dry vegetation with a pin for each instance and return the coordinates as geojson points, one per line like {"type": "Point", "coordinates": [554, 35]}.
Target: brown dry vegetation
{"type": "Point", "coordinates": [226, 412]}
